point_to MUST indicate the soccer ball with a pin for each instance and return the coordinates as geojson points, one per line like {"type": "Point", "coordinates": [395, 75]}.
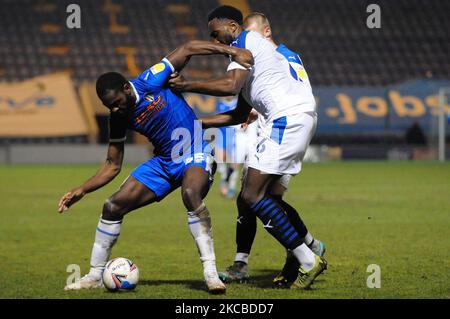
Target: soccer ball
{"type": "Point", "coordinates": [120, 274]}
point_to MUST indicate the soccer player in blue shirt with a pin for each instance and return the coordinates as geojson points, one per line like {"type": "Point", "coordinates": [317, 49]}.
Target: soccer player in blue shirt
{"type": "Point", "coordinates": [146, 105]}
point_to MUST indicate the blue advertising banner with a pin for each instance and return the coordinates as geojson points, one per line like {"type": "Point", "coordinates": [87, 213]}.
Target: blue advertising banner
{"type": "Point", "coordinates": [354, 110]}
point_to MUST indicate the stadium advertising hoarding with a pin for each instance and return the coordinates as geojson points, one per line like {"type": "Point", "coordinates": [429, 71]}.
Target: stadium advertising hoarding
{"type": "Point", "coordinates": [47, 106]}
{"type": "Point", "coordinates": [366, 109]}
{"type": "Point", "coordinates": [44, 106]}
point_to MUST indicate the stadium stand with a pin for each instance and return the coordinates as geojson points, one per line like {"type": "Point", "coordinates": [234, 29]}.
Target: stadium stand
{"type": "Point", "coordinates": [127, 36]}
{"type": "Point", "coordinates": [121, 35]}
{"type": "Point", "coordinates": [339, 50]}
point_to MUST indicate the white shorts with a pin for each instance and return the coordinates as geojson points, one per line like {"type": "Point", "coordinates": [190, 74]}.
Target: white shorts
{"type": "Point", "coordinates": [240, 147]}
{"type": "Point", "coordinates": [283, 180]}
{"type": "Point", "coordinates": [282, 143]}
{"type": "Point", "coordinates": [237, 150]}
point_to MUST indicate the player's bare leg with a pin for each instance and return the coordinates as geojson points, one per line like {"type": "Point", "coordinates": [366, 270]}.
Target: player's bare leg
{"type": "Point", "coordinates": [194, 189]}
{"type": "Point", "coordinates": [131, 195]}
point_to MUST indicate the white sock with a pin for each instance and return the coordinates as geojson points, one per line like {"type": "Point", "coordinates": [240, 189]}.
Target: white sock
{"type": "Point", "coordinates": [242, 257]}
{"type": "Point", "coordinates": [312, 243]}
{"type": "Point", "coordinates": [201, 230]}
{"type": "Point", "coordinates": [223, 170]}
{"type": "Point", "coordinates": [305, 256]}
{"type": "Point", "coordinates": [309, 239]}
{"type": "Point", "coordinates": [105, 237]}
{"type": "Point", "coordinates": [234, 177]}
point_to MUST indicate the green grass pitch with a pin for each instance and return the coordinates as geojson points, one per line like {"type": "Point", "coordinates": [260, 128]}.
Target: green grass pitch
{"type": "Point", "coordinates": [395, 215]}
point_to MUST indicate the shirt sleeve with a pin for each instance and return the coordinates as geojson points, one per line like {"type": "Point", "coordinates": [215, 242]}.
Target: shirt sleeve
{"type": "Point", "coordinates": [156, 76]}
{"type": "Point", "coordinates": [117, 129]}
{"type": "Point", "coordinates": [234, 65]}
{"type": "Point", "coordinates": [249, 40]}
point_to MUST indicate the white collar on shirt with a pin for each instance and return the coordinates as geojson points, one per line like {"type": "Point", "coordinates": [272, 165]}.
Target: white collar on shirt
{"type": "Point", "coordinates": [135, 92]}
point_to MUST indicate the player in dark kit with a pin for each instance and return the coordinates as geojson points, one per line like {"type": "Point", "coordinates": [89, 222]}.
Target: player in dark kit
{"type": "Point", "coordinates": [146, 105]}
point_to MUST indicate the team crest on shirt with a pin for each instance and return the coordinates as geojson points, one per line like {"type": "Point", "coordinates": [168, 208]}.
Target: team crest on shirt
{"type": "Point", "coordinates": [157, 68]}
{"type": "Point", "coordinates": [149, 98]}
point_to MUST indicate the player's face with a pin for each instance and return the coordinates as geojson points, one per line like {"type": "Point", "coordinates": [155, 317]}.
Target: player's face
{"type": "Point", "coordinates": [119, 101]}
{"type": "Point", "coordinates": [222, 30]}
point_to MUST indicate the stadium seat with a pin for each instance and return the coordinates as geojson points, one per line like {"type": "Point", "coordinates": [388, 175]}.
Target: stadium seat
{"type": "Point", "coordinates": [331, 36]}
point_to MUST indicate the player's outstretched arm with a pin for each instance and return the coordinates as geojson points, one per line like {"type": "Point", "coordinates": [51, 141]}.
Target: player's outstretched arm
{"type": "Point", "coordinates": [107, 172]}
{"type": "Point", "coordinates": [181, 55]}
{"type": "Point", "coordinates": [236, 116]}
{"type": "Point", "coordinates": [229, 84]}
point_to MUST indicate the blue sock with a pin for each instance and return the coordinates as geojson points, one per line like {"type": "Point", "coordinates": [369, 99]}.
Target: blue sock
{"type": "Point", "coordinates": [276, 222]}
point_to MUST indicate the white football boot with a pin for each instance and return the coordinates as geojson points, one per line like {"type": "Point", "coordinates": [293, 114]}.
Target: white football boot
{"type": "Point", "coordinates": [213, 282]}
{"type": "Point", "coordinates": [88, 281]}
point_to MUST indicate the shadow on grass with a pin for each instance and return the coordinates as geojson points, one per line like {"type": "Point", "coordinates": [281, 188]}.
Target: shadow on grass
{"type": "Point", "coordinates": [261, 278]}
{"type": "Point", "coordinates": [192, 284]}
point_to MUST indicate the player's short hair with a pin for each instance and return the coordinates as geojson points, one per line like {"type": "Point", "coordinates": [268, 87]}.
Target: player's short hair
{"type": "Point", "coordinates": [259, 15]}
{"type": "Point", "coordinates": [226, 12]}
{"type": "Point", "coordinates": [109, 81]}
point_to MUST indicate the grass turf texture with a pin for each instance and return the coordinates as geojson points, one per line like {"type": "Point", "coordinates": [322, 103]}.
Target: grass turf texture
{"type": "Point", "coordinates": [395, 215]}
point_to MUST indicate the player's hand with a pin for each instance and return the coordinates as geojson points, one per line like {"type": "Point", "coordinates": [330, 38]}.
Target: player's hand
{"type": "Point", "coordinates": [69, 199]}
{"type": "Point", "coordinates": [252, 117]}
{"type": "Point", "coordinates": [177, 82]}
{"type": "Point", "coordinates": [244, 58]}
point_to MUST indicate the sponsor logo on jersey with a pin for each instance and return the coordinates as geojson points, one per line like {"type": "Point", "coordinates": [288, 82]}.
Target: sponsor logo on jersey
{"type": "Point", "coordinates": [157, 68]}
{"type": "Point", "coordinates": [150, 110]}
{"type": "Point", "coordinates": [299, 70]}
